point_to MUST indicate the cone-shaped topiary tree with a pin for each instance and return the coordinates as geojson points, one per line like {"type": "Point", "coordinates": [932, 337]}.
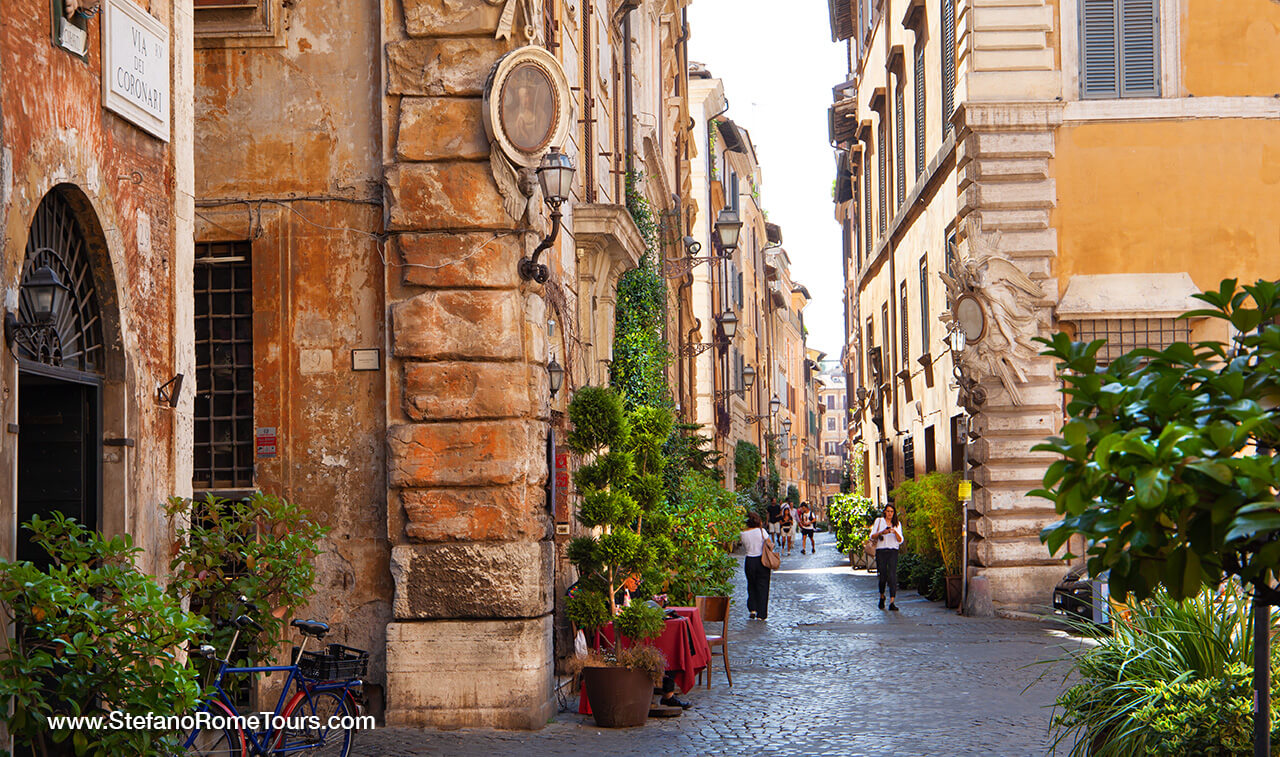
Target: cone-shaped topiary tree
{"type": "Point", "coordinates": [622, 502]}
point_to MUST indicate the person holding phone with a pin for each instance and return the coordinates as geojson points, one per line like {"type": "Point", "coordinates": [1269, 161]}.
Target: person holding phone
{"type": "Point", "coordinates": [886, 535]}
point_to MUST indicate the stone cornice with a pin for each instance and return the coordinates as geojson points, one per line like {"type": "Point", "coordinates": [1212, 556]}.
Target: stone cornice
{"type": "Point", "coordinates": [610, 228]}
{"type": "Point", "coordinates": [1008, 116]}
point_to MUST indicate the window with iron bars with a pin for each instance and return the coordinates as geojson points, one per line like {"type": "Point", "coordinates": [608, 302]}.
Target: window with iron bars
{"type": "Point", "coordinates": [1125, 334]}
{"type": "Point", "coordinates": [224, 434]}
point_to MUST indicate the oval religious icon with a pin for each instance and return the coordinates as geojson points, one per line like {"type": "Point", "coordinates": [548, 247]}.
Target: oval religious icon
{"type": "Point", "coordinates": [528, 107]}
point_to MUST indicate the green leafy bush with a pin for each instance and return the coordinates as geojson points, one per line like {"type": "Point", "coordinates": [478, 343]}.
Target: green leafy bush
{"type": "Point", "coordinates": [852, 516]}
{"type": "Point", "coordinates": [94, 635]}
{"type": "Point", "coordinates": [793, 495]}
{"type": "Point", "coordinates": [707, 521]}
{"type": "Point", "coordinates": [1141, 686]}
{"type": "Point", "coordinates": [261, 547]}
{"type": "Point", "coordinates": [640, 353]}
{"type": "Point", "coordinates": [688, 451]}
{"type": "Point", "coordinates": [746, 465]}
{"type": "Point", "coordinates": [929, 508]}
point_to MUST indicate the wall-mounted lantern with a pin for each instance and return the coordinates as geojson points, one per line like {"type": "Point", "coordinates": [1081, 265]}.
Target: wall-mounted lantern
{"type": "Point", "coordinates": [555, 176]}
{"type": "Point", "coordinates": [45, 295]}
{"type": "Point", "coordinates": [728, 228]}
{"type": "Point", "coordinates": [556, 375]}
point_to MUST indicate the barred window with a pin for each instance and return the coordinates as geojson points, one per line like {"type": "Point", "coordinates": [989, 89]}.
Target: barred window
{"type": "Point", "coordinates": [224, 439]}
{"type": "Point", "coordinates": [1125, 334]}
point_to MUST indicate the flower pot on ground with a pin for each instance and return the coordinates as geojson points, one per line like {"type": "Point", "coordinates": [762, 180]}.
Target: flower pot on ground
{"type": "Point", "coordinates": [955, 587]}
{"type": "Point", "coordinates": [619, 697]}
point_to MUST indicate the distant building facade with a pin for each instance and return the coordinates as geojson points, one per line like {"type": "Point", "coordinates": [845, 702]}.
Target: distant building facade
{"type": "Point", "coordinates": [1045, 158]}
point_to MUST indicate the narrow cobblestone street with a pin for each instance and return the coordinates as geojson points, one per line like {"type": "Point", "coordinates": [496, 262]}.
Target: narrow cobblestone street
{"type": "Point", "coordinates": [827, 674]}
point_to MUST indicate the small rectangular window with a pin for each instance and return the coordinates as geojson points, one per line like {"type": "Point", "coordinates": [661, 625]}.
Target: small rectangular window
{"type": "Point", "coordinates": [908, 458]}
{"type": "Point", "coordinates": [1119, 48]}
{"type": "Point", "coordinates": [1126, 334]}
{"type": "Point", "coordinates": [930, 453]}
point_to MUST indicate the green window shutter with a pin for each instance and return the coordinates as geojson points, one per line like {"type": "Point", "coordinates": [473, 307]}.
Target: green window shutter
{"type": "Point", "coordinates": [1099, 49]}
{"type": "Point", "coordinates": [900, 141]}
{"type": "Point", "coordinates": [1139, 48]}
{"type": "Point", "coordinates": [918, 83]}
{"type": "Point", "coordinates": [949, 63]}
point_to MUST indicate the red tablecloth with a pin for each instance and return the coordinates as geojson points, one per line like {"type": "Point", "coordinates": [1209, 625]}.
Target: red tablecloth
{"type": "Point", "coordinates": [683, 643]}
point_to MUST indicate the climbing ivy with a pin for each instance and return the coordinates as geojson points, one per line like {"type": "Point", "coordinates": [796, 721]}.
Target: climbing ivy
{"type": "Point", "coordinates": [712, 133]}
{"type": "Point", "coordinates": [640, 353]}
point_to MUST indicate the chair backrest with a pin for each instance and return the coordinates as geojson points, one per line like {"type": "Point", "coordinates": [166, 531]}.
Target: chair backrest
{"type": "Point", "coordinates": [714, 610]}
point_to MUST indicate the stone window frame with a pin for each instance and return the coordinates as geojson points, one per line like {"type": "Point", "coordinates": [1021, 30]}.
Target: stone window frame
{"type": "Point", "coordinates": [1169, 54]}
{"type": "Point", "coordinates": [253, 23]}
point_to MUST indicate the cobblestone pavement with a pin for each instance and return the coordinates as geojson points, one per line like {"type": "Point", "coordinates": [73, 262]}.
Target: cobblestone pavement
{"type": "Point", "coordinates": [827, 674]}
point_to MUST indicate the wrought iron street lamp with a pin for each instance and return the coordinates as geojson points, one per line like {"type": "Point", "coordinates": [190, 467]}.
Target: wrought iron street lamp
{"type": "Point", "coordinates": [748, 378]}
{"type": "Point", "coordinates": [728, 327]}
{"type": "Point", "coordinates": [774, 405]}
{"type": "Point", "coordinates": [728, 229]}
{"type": "Point", "coordinates": [45, 294]}
{"type": "Point", "coordinates": [555, 374]}
{"type": "Point", "coordinates": [555, 176]}
{"type": "Point", "coordinates": [786, 426]}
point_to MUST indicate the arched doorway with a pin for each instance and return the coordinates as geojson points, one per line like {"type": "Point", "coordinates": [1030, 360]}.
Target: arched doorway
{"type": "Point", "coordinates": [60, 380]}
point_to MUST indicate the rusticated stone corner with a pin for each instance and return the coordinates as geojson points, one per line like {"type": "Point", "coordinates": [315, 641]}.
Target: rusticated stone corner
{"type": "Point", "coordinates": [441, 128]}
{"type": "Point", "coordinates": [460, 390]}
{"type": "Point", "coordinates": [476, 453]}
{"type": "Point", "coordinates": [480, 260]}
{"type": "Point", "coordinates": [476, 580]}
{"type": "Point", "coordinates": [498, 513]}
{"type": "Point", "coordinates": [430, 196]}
{"type": "Point", "coordinates": [435, 67]}
{"type": "Point", "coordinates": [447, 18]}
{"type": "Point", "coordinates": [450, 324]}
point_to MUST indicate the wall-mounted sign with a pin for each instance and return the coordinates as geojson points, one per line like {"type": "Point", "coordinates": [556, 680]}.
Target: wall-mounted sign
{"type": "Point", "coordinates": [561, 474]}
{"type": "Point", "coordinates": [70, 27]}
{"type": "Point", "coordinates": [366, 360]}
{"type": "Point", "coordinates": [265, 441]}
{"type": "Point", "coordinates": [966, 491]}
{"type": "Point", "coordinates": [135, 66]}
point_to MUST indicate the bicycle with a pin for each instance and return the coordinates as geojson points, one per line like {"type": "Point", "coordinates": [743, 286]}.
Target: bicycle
{"type": "Point", "coordinates": [317, 720]}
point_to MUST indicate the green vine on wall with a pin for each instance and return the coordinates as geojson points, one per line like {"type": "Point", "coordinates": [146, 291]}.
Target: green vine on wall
{"type": "Point", "coordinates": [712, 132]}
{"type": "Point", "coordinates": [640, 352]}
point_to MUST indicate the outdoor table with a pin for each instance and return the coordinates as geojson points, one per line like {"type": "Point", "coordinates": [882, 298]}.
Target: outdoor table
{"type": "Point", "coordinates": [683, 643]}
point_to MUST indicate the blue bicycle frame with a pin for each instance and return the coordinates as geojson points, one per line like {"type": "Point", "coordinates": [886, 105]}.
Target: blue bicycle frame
{"type": "Point", "coordinates": [260, 742]}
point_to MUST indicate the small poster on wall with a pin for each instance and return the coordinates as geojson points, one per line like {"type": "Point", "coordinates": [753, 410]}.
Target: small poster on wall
{"type": "Point", "coordinates": [135, 67]}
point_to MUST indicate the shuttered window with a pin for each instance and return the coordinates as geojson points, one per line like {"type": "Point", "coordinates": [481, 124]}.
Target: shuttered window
{"type": "Point", "coordinates": [902, 316]}
{"type": "Point", "coordinates": [918, 83]}
{"type": "Point", "coordinates": [949, 63]}
{"type": "Point", "coordinates": [924, 305]}
{"type": "Point", "coordinates": [1119, 49]}
{"type": "Point", "coordinates": [869, 240]}
{"type": "Point", "coordinates": [900, 142]}
{"type": "Point", "coordinates": [883, 149]}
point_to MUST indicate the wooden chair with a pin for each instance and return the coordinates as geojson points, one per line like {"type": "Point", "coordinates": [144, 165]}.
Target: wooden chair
{"type": "Point", "coordinates": [716, 610]}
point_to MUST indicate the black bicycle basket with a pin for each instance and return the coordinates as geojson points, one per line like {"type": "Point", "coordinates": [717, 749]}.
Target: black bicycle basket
{"type": "Point", "coordinates": [334, 663]}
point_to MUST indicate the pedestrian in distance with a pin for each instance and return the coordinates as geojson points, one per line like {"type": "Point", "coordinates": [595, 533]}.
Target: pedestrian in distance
{"type": "Point", "coordinates": [788, 525]}
{"type": "Point", "coordinates": [775, 523]}
{"type": "Point", "coordinates": [886, 535]}
{"type": "Point", "coordinates": [753, 539]}
{"type": "Point", "coordinates": [807, 529]}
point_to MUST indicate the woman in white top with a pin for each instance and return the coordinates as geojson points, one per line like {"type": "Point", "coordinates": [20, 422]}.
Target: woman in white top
{"type": "Point", "coordinates": [886, 535]}
{"type": "Point", "coordinates": [753, 540]}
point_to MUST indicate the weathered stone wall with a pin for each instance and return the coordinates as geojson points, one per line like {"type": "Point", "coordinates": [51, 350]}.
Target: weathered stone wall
{"type": "Point", "coordinates": [287, 146]}
{"type": "Point", "coordinates": [55, 131]}
{"type": "Point", "coordinates": [467, 413]}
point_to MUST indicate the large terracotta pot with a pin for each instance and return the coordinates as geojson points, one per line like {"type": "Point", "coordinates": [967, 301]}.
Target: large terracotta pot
{"type": "Point", "coordinates": [619, 697]}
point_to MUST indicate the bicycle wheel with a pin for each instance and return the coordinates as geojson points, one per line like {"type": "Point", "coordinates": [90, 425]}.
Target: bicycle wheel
{"type": "Point", "coordinates": [317, 726]}
{"type": "Point", "coordinates": [227, 742]}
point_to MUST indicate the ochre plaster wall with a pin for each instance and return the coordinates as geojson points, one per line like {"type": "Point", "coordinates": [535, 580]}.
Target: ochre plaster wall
{"type": "Point", "coordinates": [1165, 197]}
{"type": "Point", "coordinates": [1231, 47]}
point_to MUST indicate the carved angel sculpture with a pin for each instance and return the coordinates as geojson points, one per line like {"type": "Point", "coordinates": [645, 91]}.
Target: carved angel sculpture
{"type": "Point", "coordinates": [521, 194]}
{"type": "Point", "coordinates": [1009, 300]}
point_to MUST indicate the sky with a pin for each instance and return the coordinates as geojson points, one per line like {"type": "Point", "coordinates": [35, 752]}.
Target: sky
{"type": "Point", "coordinates": [778, 65]}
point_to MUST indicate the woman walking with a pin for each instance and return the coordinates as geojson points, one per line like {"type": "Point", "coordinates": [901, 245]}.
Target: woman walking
{"type": "Point", "coordinates": [886, 535]}
{"type": "Point", "coordinates": [753, 539]}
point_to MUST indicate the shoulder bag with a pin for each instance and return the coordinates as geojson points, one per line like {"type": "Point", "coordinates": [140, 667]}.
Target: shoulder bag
{"type": "Point", "coordinates": [769, 558]}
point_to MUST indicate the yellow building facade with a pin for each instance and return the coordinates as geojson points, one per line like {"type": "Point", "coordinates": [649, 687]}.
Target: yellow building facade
{"type": "Point", "coordinates": [1079, 165]}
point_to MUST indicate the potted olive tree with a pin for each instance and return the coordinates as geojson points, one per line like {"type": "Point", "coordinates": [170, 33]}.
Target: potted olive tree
{"type": "Point", "coordinates": [622, 496]}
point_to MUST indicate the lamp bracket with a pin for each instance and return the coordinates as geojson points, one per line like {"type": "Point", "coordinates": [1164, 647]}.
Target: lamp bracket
{"type": "Point", "coordinates": [676, 268]}
{"type": "Point", "coordinates": [170, 391]}
{"type": "Point", "coordinates": [530, 269]}
{"type": "Point", "coordinates": [41, 339]}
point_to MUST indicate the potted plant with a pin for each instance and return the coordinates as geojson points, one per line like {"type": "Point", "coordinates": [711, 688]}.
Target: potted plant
{"type": "Point", "coordinates": [622, 495]}
{"type": "Point", "coordinates": [931, 507]}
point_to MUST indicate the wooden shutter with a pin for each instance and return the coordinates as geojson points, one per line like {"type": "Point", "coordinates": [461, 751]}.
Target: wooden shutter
{"type": "Point", "coordinates": [1139, 48]}
{"type": "Point", "coordinates": [1099, 49]}
{"type": "Point", "coordinates": [868, 241]}
{"type": "Point", "coordinates": [949, 63]}
{"type": "Point", "coordinates": [883, 149]}
{"type": "Point", "coordinates": [918, 83]}
{"type": "Point", "coordinates": [924, 305]}
{"type": "Point", "coordinates": [900, 142]}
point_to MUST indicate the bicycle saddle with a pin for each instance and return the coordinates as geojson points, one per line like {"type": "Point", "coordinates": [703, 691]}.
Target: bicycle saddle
{"type": "Point", "coordinates": [313, 628]}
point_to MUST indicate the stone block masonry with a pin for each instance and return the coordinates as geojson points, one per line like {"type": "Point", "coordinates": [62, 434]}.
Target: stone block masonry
{"type": "Point", "coordinates": [467, 416]}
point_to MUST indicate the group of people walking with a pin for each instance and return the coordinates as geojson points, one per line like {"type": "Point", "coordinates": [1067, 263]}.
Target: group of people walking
{"type": "Point", "coordinates": [784, 521]}
{"type": "Point", "coordinates": [885, 535]}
